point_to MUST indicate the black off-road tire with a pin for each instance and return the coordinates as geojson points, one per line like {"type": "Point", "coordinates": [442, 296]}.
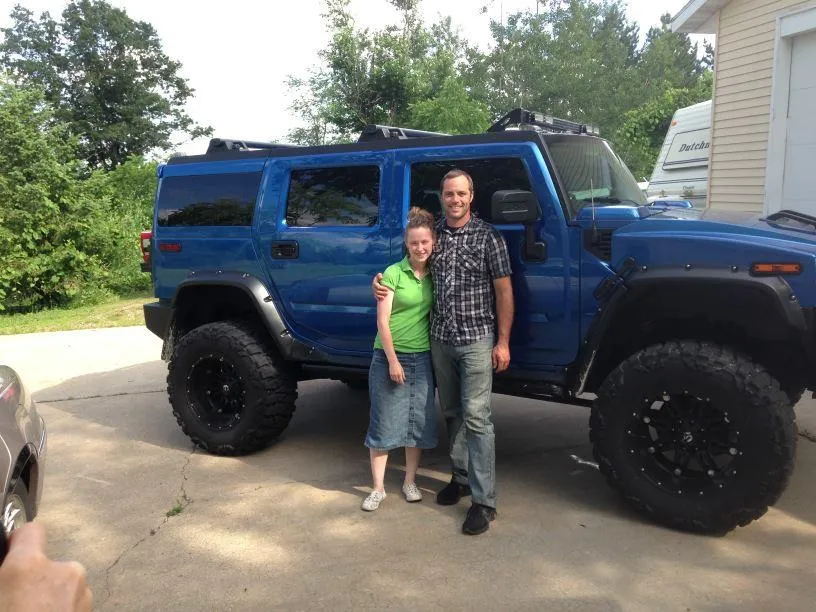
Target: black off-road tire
{"type": "Point", "coordinates": [739, 403]}
{"type": "Point", "coordinates": [265, 394]}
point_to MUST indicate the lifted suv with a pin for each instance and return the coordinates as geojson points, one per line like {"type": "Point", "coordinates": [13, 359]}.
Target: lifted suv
{"type": "Point", "coordinates": [695, 332]}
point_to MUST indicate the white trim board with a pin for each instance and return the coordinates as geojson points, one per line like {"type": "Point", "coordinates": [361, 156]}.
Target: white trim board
{"type": "Point", "coordinates": [802, 21]}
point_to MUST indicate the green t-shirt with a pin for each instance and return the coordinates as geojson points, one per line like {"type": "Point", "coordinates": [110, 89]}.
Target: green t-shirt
{"type": "Point", "coordinates": [410, 309]}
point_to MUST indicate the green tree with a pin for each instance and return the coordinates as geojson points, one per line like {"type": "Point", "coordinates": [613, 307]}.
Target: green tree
{"type": "Point", "coordinates": [377, 77]}
{"type": "Point", "coordinates": [64, 240]}
{"type": "Point", "coordinates": [579, 59]}
{"type": "Point", "coordinates": [644, 128]}
{"type": "Point", "coordinates": [40, 262]}
{"type": "Point", "coordinates": [576, 59]}
{"type": "Point", "coordinates": [668, 60]}
{"type": "Point", "coordinates": [105, 74]}
{"type": "Point", "coordinates": [452, 111]}
{"type": "Point", "coordinates": [119, 204]}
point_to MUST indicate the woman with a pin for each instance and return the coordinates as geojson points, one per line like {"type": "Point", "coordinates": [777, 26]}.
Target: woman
{"type": "Point", "coordinates": [400, 379]}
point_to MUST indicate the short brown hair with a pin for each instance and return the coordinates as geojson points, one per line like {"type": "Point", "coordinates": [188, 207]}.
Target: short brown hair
{"type": "Point", "coordinates": [453, 174]}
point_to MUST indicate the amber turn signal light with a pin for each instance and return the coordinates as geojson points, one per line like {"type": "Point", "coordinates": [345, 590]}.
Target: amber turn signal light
{"type": "Point", "coordinates": [772, 269]}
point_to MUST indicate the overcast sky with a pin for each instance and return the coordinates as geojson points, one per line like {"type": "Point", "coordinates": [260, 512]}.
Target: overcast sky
{"type": "Point", "coordinates": [237, 54]}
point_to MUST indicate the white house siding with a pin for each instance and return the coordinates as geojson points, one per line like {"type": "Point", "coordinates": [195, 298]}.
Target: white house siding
{"type": "Point", "coordinates": [742, 102]}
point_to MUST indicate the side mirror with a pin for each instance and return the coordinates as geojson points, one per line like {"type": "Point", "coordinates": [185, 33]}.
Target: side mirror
{"type": "Point", "coordinates": [510, 206]}
{"type": "Point", "coordinates": [520, 207]}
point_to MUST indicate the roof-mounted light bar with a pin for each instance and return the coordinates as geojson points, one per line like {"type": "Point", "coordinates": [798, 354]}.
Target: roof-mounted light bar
{"type": "Point", "coordinates": [543, 122]}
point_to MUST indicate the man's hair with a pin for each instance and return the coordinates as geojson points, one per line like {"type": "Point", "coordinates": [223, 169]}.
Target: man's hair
{"type": "Point", "coordinates": [453, 174]}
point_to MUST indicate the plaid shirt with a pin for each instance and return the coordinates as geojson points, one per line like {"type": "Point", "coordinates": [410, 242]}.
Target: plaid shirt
{"type": "Point", "coordinates": [464, 264]}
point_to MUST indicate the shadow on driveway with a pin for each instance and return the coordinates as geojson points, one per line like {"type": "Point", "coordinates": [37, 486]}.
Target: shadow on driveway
{"type": "Point", "coordinates": [289, 515]}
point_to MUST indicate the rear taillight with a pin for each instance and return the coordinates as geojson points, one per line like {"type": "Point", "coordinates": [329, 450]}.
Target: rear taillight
{"type": "Point", "coordinates": [146, 243]}
{"type": "Point", "coordinates": [10, 389]}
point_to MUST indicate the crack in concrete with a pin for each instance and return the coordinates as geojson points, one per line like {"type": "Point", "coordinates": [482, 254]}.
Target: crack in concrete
{"type": "Point", "coordinates": [182, 501]}
{"type": "Point", "coordinates": [85, 397]}
{"type": "Point", "coordinates": [807, 435]}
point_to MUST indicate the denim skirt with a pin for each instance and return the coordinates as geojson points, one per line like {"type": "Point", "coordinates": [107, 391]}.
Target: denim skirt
{"type": "Point", "coordinates": [401, 415]}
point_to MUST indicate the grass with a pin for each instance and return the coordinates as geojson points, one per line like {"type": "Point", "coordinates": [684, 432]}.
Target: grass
{"type": "Point", "coordinates": [177, 509]}
{"type": "Point", "coordinates": [181, 504]}
{"type": "Point", "coordinates": [114, 312]}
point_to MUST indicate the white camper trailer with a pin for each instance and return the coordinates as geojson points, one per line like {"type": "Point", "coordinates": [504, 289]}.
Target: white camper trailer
{"type": "Point", "coordinates": [681, 170]}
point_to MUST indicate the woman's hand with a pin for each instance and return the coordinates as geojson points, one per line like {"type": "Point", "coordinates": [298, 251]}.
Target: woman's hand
{"type": "Point", "coordinates": [396, 372]}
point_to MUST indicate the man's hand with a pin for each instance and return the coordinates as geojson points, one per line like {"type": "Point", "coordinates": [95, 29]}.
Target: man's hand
{"type": "Point", "coordinates": [501, 357]}
{"type": "Point", "coordinates": [30, 581]}
{"type": "Point", "coordinates": [380, 292]}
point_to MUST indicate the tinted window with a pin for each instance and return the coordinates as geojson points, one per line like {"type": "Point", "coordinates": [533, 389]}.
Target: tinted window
{"type": "Point", "coordinates": [334, 196]}
{"type": "Point", "coordinates": [208, 199]}
{"type": "Point", "coordinates": [592, 172]}
{"type": "Point", "coordinates": [489, 175]}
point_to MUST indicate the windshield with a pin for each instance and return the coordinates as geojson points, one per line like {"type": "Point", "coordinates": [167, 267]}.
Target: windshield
{"type": "Point", "coordinates": [591, 171]}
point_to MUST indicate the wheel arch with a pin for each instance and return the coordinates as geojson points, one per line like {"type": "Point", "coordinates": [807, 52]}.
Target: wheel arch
{"type": "Point", "coordinates": [220, 296]}
{"type": "Point", "coordinates": [27, 470]}
{"type": "Point", "coordinates": [760, 317]}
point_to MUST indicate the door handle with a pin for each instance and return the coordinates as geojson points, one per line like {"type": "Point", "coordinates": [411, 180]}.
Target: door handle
{"type": "Point", "coordinates": [285, 249]}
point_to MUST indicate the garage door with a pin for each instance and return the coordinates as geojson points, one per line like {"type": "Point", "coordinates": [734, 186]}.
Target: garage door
{"type": "Point", "coordinates": [799, 182]}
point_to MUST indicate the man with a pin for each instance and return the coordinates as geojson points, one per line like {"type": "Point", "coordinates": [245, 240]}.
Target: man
{"type": "Point", "coordinates": [470, 267]}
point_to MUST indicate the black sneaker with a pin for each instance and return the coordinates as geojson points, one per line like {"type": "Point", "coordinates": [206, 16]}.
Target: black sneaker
{"type": "Point", "coordinates": [478, 519]}
{"type": "Point", "coordinates": [452, 493]}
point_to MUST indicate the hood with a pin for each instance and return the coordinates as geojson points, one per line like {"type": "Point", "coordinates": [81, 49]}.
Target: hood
{"type": "Point", "coordinates": [786, 226]}
{"type": "Point", "coordinates": [611, 218]}
{"type": "Point", "coordinates": [712, 239]}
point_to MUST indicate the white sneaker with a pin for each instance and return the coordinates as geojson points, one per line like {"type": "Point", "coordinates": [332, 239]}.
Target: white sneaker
{"type": "Point", "coordinates": [411, 492]}
{"type": "Point", "coordinates": [373, 501]}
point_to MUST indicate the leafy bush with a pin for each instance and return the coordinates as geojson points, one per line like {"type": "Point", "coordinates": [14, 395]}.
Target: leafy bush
{"type": "Point", "coordinates": [63, 239]}
{"type": "Point", "coordinates": [40, 262]}
{"type": "Point", "coordinates": [121, 202]}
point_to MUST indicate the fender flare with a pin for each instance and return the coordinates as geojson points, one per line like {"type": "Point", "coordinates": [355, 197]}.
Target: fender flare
{"type": "Point", "coordinates": [775, 287]}
{"type": "Point", "coordinates": [265, 306]}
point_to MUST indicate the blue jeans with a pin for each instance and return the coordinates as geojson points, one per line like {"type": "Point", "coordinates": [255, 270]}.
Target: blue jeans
{"type": "Point", "coordinates": [464, 379]}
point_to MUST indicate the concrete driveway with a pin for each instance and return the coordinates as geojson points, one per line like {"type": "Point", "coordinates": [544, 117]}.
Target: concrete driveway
{"type": "Point", "coordinates": [161, 526]}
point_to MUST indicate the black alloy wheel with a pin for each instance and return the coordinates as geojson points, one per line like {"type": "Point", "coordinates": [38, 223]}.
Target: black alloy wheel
{"type": "Point", "coordinates": [684, 442]}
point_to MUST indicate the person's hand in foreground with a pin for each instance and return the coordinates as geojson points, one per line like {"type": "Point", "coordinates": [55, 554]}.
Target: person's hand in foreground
{"type": "Point", "coordinates": [31, 582]}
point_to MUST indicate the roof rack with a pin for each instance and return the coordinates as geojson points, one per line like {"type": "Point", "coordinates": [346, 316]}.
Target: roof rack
{"type": "Point", "coordinates": [520, 117]}
{"type": "Point", "coordinates": [385, 132]}
{"type": "Point", "coordinates": [221, 144]}
{"type": "Point", "coordinates": [541, 121]}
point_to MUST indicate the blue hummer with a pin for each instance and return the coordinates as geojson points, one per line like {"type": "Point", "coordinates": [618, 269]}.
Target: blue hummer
{"type": "Point", "coordinates": [694, 333]}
